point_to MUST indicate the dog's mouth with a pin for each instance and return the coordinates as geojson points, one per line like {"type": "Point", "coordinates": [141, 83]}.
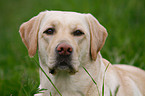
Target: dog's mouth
{"type": "Point", "coordinates": [63, 63]}
{"type": "Point", "coordinates": [63, 66]}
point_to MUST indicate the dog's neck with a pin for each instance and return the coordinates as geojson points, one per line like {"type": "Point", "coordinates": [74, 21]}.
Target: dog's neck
{"type": "Point", "coordinates": [64, 82]}
{"type": "Point", "coordinates": [72, 84]}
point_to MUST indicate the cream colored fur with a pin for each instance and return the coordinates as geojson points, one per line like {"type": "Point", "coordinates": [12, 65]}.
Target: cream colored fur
{"type": "Point", "coordinates": [86, 52]}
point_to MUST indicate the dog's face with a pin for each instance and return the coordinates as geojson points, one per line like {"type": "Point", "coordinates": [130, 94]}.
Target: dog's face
{"type": "Point", "coordinates": [62, 41]}
{"type": "Point", "coordinates": [65, 39]}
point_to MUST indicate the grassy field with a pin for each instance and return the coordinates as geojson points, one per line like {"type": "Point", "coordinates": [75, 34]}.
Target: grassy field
{"type": "Point", "coordinates": [124, 20]}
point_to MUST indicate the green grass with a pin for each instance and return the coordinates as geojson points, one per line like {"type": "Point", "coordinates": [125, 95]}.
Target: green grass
{"type": "Point", "coordinates": [123, 19]}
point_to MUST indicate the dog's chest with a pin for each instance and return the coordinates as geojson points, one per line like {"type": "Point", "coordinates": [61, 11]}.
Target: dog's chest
{"type": "Point", "coordinates": [67, 90]}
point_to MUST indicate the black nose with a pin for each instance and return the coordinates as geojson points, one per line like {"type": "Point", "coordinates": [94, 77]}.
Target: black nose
{"type": "Point", "coordinates": [64, 49]}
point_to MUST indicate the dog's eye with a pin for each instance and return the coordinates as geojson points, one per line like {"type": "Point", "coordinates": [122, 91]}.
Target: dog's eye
{"type": "Point", "coordinates": [49, 31]}
{"type": "Point", "coordinates": [78, 33]}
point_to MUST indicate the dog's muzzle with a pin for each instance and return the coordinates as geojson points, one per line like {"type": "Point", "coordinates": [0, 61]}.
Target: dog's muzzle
{"type": "Point", "coordinates": [63, 59]}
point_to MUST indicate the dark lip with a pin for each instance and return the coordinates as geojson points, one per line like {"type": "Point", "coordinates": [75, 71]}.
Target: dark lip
{"type": "Point", "coordinates": [62, 66]}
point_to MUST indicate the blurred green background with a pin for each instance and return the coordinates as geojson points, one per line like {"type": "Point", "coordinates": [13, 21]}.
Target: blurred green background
{"type": "Point", "coordinates": [124, 20]}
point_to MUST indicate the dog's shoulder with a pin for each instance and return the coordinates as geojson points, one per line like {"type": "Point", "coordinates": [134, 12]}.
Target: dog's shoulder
{"type": "Point", "coordinates": [129, 76]}
{"type": "Point", "coordinates": [128, 69]}
{"type": "Point", "coordinates": [135, 75]}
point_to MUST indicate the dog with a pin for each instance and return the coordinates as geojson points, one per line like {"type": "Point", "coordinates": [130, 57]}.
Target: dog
{"type": "Point", "coordinates": [69, 41]}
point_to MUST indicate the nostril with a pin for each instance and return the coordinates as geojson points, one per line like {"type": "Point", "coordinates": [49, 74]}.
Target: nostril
{"type": "Point", "coordinates": [69, 50]}
{"type": "Point", "coordinates": [60, 49]}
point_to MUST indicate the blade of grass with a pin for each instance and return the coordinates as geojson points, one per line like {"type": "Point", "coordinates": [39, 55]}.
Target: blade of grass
{"type": "Point", "coordinates": [40, 91]}
{"type": "Point", "coordinates": [103, 80]}
{"type": "Point", "coordinates": [103, 89]}
{"type": "Point", "coordinates": [25, 91]}
{"type": "Point", "coordinates": [47, 77]}
{"type": "Point", "coordinates": [110, 93]}
{"type": "Point", "coordinates": [116, 91]}
{"type": "Point", "coordinates": [92, 79]}
{"type": "Point", "coordinates": [50, 94]}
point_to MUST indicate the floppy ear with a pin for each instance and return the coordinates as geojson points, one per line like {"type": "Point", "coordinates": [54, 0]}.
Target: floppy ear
{"type": "Point", "coordinates": [29, 33]}
{"type": "Point", "coordinates": [98, 35]}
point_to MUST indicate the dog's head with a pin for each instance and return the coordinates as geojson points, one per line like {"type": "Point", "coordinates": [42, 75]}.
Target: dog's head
{"type": "Point", "coordinates": [64, 39]}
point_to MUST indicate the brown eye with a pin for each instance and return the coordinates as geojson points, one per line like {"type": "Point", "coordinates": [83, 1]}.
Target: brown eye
{"type": "Point", "coordinates": [78, 33]}
{"type": "Point", "coordinates": [49, 31]}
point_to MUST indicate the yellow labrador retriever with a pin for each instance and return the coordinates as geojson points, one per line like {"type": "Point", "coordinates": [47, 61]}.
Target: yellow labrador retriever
{"type": "Point", "coordinates": [66, 41]}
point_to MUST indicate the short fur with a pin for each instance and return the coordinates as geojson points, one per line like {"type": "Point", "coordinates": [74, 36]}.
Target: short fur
{"type": "Point", "coordinates": [86, 52]}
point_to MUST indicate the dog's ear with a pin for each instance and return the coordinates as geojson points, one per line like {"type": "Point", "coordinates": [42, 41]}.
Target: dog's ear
{"type": "Point", "coordinates": [98, 35]}
{"type": "Point", "coordinates": [29, 33]}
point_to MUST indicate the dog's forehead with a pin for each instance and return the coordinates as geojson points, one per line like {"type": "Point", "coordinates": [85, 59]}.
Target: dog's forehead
{"type": "Point", "coordinates": [64, 17]}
